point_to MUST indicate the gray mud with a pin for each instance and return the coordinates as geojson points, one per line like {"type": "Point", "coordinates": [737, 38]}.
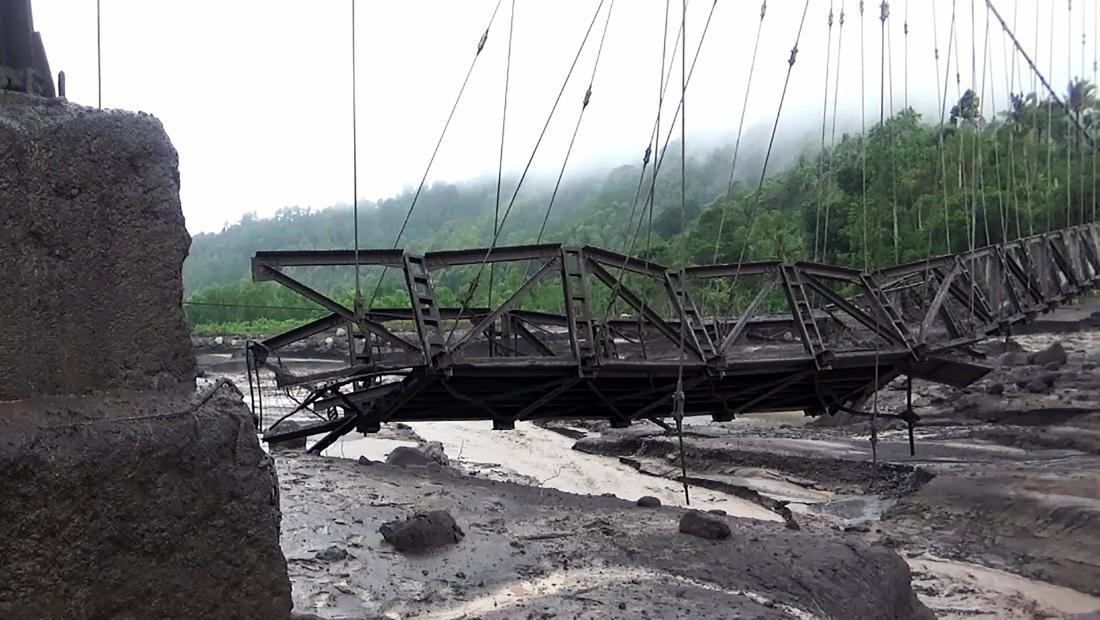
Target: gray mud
{"type": "Point", "coordinates": [540, 553]}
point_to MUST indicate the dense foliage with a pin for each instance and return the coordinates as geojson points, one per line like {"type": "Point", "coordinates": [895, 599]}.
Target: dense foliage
{"type": "Point", "coordinates": [905, 190]}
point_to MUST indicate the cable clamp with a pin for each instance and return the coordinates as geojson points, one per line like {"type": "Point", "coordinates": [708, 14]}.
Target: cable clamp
{"type": "Point", "coordinates": [481, 43]}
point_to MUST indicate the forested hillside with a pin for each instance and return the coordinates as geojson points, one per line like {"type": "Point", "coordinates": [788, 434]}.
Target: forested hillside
{"type": "Point", "coordinates": [908, 189]}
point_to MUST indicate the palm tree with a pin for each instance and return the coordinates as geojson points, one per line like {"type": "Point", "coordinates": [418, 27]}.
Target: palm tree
{"type": "Point", "coordinates": [969, 109]}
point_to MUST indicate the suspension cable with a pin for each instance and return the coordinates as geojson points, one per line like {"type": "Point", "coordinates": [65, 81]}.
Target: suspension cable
{"type": "Point", "coordinates": [832, 135]}
{"type": "Point", "coordinates": [767, 157]}
{"type": "Point", "coordinates": [1010, 85]}
{"type": "Point", "coordinates": [1081, 143]}
{"type": "Point", "coordinates": [1070, 137]}
{"type": "Point", "coordinates": [577, 127]}
{"type": "Point", "coordinates": [863, 134]}
{"type": "Point", "coordinates": [1050, 134]}
{"type": "Point", "coordinates": [943, 117]}
{"type": "Point", "coordinates": [660, 160]}
{"type": "Point", "coordinates": [1001, 178]}
{"type": "Point", "coordinates": [527, 168]}
{"type": "Point", "coordinates": [503, 126]}
{"type": "Point", "coordinates": [678, 411]}
{"type": "Point", "coordinates": [822, 154]}
{"type": "Point", "coordinates": [439, 142]}
{"type": "Point", "coordinates": [355, 170]}
{"type": "Point", "coordinates": [653, 136]}
{"type": "Point", "coordinates": [741, 125]}
{"type": "Point", "coordinates": [98, 58]}
{"type": "Point", "coordinates": [884, 15]}
{"type": "Point", "coordinates": [905, 33]}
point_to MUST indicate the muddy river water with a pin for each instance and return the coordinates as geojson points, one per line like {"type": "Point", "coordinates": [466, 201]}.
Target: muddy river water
{"type": "Point", "coordinates": [541, 457]}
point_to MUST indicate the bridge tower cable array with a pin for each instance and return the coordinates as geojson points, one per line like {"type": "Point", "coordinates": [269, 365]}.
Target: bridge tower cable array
{"type": "Point", "coordinates": [836, 335]}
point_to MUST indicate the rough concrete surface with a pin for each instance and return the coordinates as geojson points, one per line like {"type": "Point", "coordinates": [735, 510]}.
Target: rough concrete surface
{"type": "Point", "coordinates": [92, 242]}
{"type": "Point", "coordinates": [138, 506]}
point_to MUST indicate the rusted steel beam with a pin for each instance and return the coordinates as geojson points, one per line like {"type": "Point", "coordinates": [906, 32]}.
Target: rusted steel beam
{"type": "Point", "coordinates": [731, 270]}
{"type": "Point", "coordinates": [507, 305]}
{"type": "Point", "coordinates": [622, 261]}
{"type": "Point", "coordinates": [455, 258]}
{"type": "Point", "coordinates": [639, 305]}
{"type": "Point", "coordinates": [336, 308]}
{"type": "Point", "coordinates": [323, 258]}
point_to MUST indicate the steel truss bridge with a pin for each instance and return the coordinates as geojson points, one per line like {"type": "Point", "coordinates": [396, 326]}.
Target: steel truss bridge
{"type": "Point", "coordinates": [808, 336]}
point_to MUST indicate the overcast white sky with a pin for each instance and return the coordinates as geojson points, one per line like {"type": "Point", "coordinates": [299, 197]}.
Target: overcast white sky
{"type": "Point", "coordinates": [256, 94]}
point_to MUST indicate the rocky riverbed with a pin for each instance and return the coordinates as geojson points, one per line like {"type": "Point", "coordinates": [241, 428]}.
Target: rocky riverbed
{"type": "Point", "coordinates": [996, 515]}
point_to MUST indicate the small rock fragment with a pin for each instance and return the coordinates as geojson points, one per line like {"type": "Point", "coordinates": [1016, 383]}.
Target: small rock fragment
{"type": "Point", "coordinates": [649, 501]}
{"type": "Point", "coordinates": [703, 526]}
{"type": "Point", "coordinates": [995, 389]}
{"type": "Point", "coordinates": [332, 554]}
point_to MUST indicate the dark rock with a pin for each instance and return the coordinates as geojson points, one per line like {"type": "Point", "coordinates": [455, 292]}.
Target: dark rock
{"type": "Point", "coordinates": [332, 554]}
{"type": "Point", "coordinates": [649, 502]}
{"type": "Point", "coordinates": [422, 531]}
{"type": "Point", "coordinates": [1052, 365]}
{"type": "Point", "coordinates": [287, 426]}
{"type": "Point", "coordinates": [434, 451]}
{"type": "Point", "coordinates": [995, 389]}
{"type": "Point", "coordinates": [698, 524]}
{"type": "Point", "coordinates": [1055, 353]}
{"type": "Point", "coordinates": [404, 456]}
{"type": "Point", "coordinates": [365, 461]}
{"type": "Point", "coordinates": [717, 511]}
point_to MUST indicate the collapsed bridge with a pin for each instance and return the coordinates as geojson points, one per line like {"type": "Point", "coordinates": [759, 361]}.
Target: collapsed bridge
{"type": "Point", "coordinates": [804, 336]}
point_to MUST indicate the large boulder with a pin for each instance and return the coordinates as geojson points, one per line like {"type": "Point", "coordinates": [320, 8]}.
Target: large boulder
{"type": "Point", "coordinates": [422, 531]}
{"type": "Point", "coordinates": [92, 244]}
{"type": "Point", "coordinates": [137, 506]}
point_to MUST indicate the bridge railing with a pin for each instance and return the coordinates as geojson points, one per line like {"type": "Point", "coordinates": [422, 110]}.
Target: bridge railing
{"type": "Point", "coordinates": [612, 310]}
